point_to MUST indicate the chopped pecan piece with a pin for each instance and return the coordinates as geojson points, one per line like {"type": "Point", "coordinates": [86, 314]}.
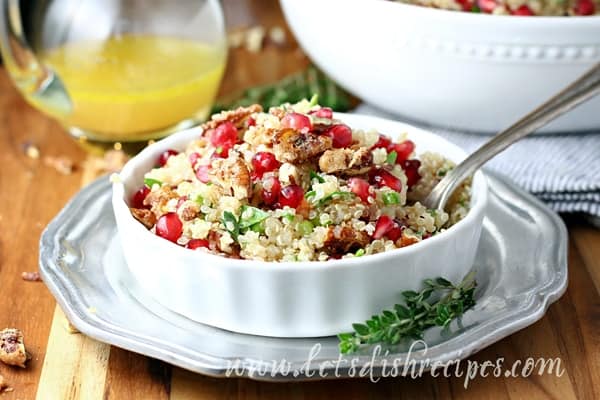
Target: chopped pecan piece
{"type": "Point", "coordinates": [346, 161]}
{"type": "Point", "coordinates": [296, 147]}
{"type": "Point", "coordinates": [188, 210]}
{"type": "Point", "coordinates": [236, 116]}
{"type": "Point", "coordinates": [146, 217]}
{"type": "Point", "coordinates": [12, 348]}
{"type": "Point", "coordinates": [341, 240]}
{"type": "Point", "coordinates": [158, 199]}
{"type": "Point", "coordinates": [232, 175]}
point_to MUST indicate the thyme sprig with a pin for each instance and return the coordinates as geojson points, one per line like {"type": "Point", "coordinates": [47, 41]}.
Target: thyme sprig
{"type": "Point", "coordinates": [420, 312]}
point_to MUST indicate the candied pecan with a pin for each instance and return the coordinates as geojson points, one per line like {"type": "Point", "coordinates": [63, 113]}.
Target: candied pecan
{"type": "Point", "coordinates": [146, 217]}
{"type": "Point", "coordinates": [157, 199]}
{"type": "Point", "coordinates": [188, 210]}
{"type": "Point", "coordinates": [341, 240]}
{"type": "Point", "coordinates": [236, 116]}
{"type": "Point", "coordinates": [12, 348]}
{"type": "Point", "coordinates": [296, 147]}
{"type": "Point", "coordinates": [346, 161]}
{"type": "Point", "coordinates": [406, 240]}
{"type": "Point", "coordinates": [232, 175]}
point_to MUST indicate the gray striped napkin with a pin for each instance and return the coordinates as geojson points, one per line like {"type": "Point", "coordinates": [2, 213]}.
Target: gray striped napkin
{"type": "Point", "coordinates": [562, 170]}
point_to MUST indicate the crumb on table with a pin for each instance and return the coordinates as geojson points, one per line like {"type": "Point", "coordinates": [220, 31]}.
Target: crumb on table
{"type": "Point", "coordinates": [61, 164]}
{"type": "Point", "coordinates": [31, 276]}
{"type": "Point", "coordinates": [12, 347]}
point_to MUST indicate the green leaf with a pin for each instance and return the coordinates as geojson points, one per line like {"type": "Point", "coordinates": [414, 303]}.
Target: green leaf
{"type": "Point", "coordinates": [443, 282]}
{"type": "Point", "coordinates": [310, 194]}
{"type": "Point", "coordinates": [390, 198]}
{"type": "Point", "coordinates": [314, 100]}
{"type": "Point", "coordinates": [151, 182]}
{"type": "Point", "coordinates": [231, 224]}
{"type": "Point", "coordinates": [391, 158]}
{"type": "Point", "coordinates": [250, 216]}
{"type": "Point", "coordinates": [314, 175]}
{"type": "Point", "coordinates": [361, 329]}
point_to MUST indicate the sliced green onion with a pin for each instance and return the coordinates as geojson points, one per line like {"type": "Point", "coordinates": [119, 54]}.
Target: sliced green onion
{"type": "Point", "coordinates": [314, 175]}
{"type": "Point", "coordinates": [314, 100]}
{"type": "Point", "coordinates": [151, 182]}
{"type": "Point", "coordinates": [391, 198]}
{"type": "Point", "coordinates": [332, 196]}
{"type": "Point", "coordinates": [305, 227]}
{"type": "Point", "coordinates": [391, 158]}
{"type": "Point", "coordinates": [289, 217]}
{"type": "Point", "coordinates": [310, 194]}
{"type": "Point", "coordinates": [360, 253]}
{"type": "Point", "coordinates": [199, 199]}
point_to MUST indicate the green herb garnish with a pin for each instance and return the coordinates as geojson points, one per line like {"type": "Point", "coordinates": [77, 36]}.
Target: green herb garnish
{"type": "Point", "coordinates": [250, 216]}
{"type": "Point", "coordinates": [151, 182]}
{"type": "Point", "coordinates": [475, 9]}
{"type": "Point", "coordinates": [391, 198]}
{"type": "Point", "coordinates": [314, 100]}
{"type": "Point", "coordinates": [310, 194]}
{"type": "Point", "coordinates": [419, 313]}
{"type": "Point", "coordinates": [289, 217]}
{"type": "Point", "coordinates": [359, 253]}
{"type": "Point", "coordinates": [391, 158]}
{"type": "Point", "coordinates": [199, 200]}
{"type": "Point", "coordinates": [231, 224]}
{"type": "Point", "coordinates": [332, 196]}
{"type": "Point", "coordinates": [319, 178]}
{"type": "Point", "coordinates": [305, 227]}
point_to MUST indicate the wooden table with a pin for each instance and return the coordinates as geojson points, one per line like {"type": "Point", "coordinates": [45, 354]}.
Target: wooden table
{"type": "Point", "coordinates": [72, 366]}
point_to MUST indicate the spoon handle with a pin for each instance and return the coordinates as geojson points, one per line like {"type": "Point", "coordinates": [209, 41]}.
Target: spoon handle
{"type": "Point", "coordinates": [584, 88]}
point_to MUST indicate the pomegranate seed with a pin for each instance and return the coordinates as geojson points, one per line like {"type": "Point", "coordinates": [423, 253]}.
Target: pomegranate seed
{"type": "Point", "coordinates": [403, 150]}
{"type": "Point", "coordinates": [324, 112]}
{"type": "Point", "coordinates": [467, 5]}
{"type": "Point", "coordinates": [197, 243]}
{"type": "Point", "coordinates": [411, 169]}
{"type": "Point", "coordinates": [360, 187]}
{"type": "Point", "coordinates": [291, 196]}
{"type": "Point", "coordinates": [395, 233]}
{"type": "Point", "coordinates": [181, 200]}
{"type": "Point", "coordinates": [384, 225]}
{"type": "Point", "coordinates": [194, 157]}
{"type": "Point", "coordinates": [165, 155]}
{"type": "Point", "coordinates": [340, 134]}
{"type": "Point", "coordinates": [383, 142]}
{"type": "Point", "coordinates": [250, 122]}
{"type": "Point", "coordinates": [271, 189]}
{"type": "Point", "coordinates": [137, 201]}
{"type": "Point", "coordinates": [222, 151]}
{"type": "Point", "coordinates": [487, 6]}
{"type": "Point", "coordinates": [224, 135]}
{"type": "Point", "coordinates": [169, 227]}
{"type": "Point", "coordinates": [263, 161]}
{"type": "Point", "coordinates": [584, 7]}
{"type": "Point", "coordinates": [296, 121]}
{"type": "Point", "coordinates": [202, 173]}
{"type": "Point", "coordinates": [384, 178]}
{"type": "Point", "coordinates": [523, 11]}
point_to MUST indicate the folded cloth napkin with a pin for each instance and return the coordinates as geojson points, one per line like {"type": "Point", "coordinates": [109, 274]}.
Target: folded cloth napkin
{"type": "Point", "coordinates": [562, 170]}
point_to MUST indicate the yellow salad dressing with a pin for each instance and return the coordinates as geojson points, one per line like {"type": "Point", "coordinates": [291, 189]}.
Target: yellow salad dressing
{"type": "Point", "coordinates": [131, 85]}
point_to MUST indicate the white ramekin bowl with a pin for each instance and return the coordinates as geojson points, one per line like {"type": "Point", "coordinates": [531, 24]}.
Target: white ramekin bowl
{"type": "Point", "coordinates": [475, 72]}
{"type": "Point", "coordinates": [299, 299]}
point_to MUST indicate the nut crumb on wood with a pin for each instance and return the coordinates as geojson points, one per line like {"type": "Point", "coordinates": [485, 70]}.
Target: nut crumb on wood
{"type": "Point", "coordinates": [61, 164]}
{"type": "Point", "coordinates": [12, 347]}
{"type": "Point", "coordinates": [31, 276]}
{"type": "Point", "coordinates": [31, 151]}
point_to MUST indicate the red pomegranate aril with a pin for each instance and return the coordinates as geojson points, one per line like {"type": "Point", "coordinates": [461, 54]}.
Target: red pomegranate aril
{"type": "Point", "coordinates": [291, 196]}
{"type": "Point", "coordinates": [137, 201]}
{"type": "Point", "coordinates": [194, 157]}
{"type": "Point", "coordinates": [403, 150]}
{"type": "Point", "coordinates": [383, 142]}
{"type": "Point", "coordinates": [169, 227]}
{"type": "Point", "coordinates": [487, 6]}
{"type": "Point", "coordinates": [411, 169]}
{"type": "Point", "coordinates": [225, 134]}
{"type": "Point", "coordinates": [271, 189]}
{"type": "Point", "coordinates": [222, 151]}
{"type": "Point", "coordinates": [360, 187]}
{"type": "Point", "coordinates": [395, 233]}
{"type": "Point", "coordinates": [263, 161]}
{"type": "Point", "coordinates": [165, 155]}
{"type": "Point", "coordinates": [324, 112]}
{"type": "Point", "coordinates": [467, 5]}
{"type": "Point", "coordinates": [584, 7]}
{"type": "Point", "coordinates": [340, 134]}
{"type": "Point", "coordinates": [250, 122]}
{"type": "Point", "coordinates": [197, 244]}
{"type": "Point", "coordinates": [296, 121]}
{"type": "Point", "coordinates": [523, 11]}
{"type": "Point", "coordinates": [202, 173]}
{"type": "Point", "coordinates": [383, 226]}
{"type": "Point", "coordinates": [384, 178]}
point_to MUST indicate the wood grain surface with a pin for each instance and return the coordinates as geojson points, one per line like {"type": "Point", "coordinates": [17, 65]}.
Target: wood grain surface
{"type": "Point", "coordinates": [71, 366]}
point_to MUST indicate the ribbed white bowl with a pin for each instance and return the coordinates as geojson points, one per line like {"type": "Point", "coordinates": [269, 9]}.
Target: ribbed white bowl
{"type": "Point", "coordinates": [470, 71]}
{"type": "Point", "coordinates": [300, 299]}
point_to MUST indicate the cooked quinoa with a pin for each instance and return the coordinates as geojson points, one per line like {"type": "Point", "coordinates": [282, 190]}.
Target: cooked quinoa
{"type": "Point", "coordinates": [516, 7]}
{"type": "Point", "coordinates": [294, 184]}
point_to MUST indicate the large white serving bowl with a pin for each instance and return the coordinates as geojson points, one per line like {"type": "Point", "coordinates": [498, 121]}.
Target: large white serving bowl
{"type": "Point", "coordinates": [291, 299]}
{"type": "Point", "coordinates": [475, 72]}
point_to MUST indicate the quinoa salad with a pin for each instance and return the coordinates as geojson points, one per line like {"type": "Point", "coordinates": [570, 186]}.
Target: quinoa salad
{"type": "Point", "coordinates": [516, 7]}
{"type": "Point", "coordinates": [294, 184]}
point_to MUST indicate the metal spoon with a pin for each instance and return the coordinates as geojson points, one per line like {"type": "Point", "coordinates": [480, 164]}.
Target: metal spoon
{"type": "Point", "coordinates": [581, 90]}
